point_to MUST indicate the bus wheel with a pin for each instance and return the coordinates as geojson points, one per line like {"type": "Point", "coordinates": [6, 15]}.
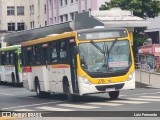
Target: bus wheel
{"type": "Point", "coordinates": [70, 96]}
{"type": "Point", "coordinates": [38, 89]}
{"type": "Point", "coordinates": [114, 94]}
{"type": "Point", "coordinates": [13, 79]}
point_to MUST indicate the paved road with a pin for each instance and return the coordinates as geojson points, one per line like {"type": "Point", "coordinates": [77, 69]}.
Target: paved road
{"type": "Point", "coordinates": [19, 99]}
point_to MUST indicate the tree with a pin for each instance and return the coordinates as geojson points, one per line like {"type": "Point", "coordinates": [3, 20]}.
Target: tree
{"type": "Point", "coordinates": [141, 8]}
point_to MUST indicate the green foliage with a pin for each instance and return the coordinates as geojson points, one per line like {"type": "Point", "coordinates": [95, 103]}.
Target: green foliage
{"type": "Point", "coordinates": [141, 8]}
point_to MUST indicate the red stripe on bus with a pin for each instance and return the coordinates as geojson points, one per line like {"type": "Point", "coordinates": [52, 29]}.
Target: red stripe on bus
{"type": "Point", "coordinates": [27, 69]}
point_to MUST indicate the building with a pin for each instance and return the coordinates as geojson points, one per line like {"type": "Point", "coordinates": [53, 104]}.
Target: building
{"type": "Point", "coordinates": [59, 11]}
{"type": "Point", "coordinates": [153, 30]}
{"type": "Point", "coordinates": [18, 15]}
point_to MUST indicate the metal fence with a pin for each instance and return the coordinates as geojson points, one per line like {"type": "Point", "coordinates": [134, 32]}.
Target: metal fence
{"type": "Point", "coordinates": [146, 75]}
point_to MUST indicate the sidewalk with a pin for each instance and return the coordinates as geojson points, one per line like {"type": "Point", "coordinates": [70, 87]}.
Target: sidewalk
{"type": "Point", "coordinates": [146, 79]}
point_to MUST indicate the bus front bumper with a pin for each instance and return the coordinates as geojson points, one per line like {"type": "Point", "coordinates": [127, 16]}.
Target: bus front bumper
{"type": "Point", "coordinates": [89, 88]}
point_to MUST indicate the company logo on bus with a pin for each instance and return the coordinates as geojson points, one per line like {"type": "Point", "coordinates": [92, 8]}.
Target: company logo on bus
{"type": "Point", "coordinates": [109, 81]}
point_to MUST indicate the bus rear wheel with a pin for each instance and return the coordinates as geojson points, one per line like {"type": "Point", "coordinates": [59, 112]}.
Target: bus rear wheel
{"type": "Point", "coordinates": [13, 80]}
{"type": "Point", "coordinates": [70, 96]}
{"type": "Point", "coordinates": [114, 94]}
{"type": "Point", "coordinates": [40, 93]}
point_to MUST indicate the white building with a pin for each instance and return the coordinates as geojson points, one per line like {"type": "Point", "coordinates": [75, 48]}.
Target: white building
{"type": "Point", "coordinates": [59, 11]}
{"type": "Point", "coordinates": [17, 15]}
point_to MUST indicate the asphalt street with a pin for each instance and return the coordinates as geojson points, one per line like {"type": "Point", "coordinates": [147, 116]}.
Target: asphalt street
{"type": "Point", "coordinates": [20, 99]}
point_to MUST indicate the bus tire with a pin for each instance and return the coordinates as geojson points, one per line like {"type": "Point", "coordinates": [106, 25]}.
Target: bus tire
{"type": "Point", "coordinates": [70, 96]}
{"type": "Point", "coordinates": [40, 94]}
{"type": "Point", "coordinates": [38, 89]}
{"type": "Point", "coordinates": [114, 94]}
{"type": "Point", "coordinates": [13, 80]}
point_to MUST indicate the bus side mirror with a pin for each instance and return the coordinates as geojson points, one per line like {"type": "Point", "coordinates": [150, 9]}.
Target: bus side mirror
{"type": "Point", "coordinates": [76, 50]}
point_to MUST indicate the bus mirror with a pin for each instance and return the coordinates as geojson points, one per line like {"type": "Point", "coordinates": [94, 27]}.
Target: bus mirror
{"type": "Point", "coordinates": [76, 50]}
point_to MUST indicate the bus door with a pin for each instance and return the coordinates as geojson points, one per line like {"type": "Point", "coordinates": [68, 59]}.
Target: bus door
{"type": "Point", "coordinates": [46, 69]}
{"type": "Point", "coordinates": [2, 66]}
{"type": "Point", "coordinates": [15, 56]}
{"type": "Point", "coordinates": [73, 64]}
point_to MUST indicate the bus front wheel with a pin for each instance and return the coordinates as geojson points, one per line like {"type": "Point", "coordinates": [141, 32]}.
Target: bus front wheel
{"type": "Point", "coordinates": [114, 94]}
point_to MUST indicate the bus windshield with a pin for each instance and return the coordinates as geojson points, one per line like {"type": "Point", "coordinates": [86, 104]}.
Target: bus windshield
{"type": "Point", "coordinates": [105, 57]}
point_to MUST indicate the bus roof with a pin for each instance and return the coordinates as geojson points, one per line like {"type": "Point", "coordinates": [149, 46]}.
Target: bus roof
{"type": "Point", "coordinates": [10, 48]}
{"type": "Point", "coordinates": [65, 35]}
{"type": "Point", "coordinates": [49, 38]}
{"type": "Point", "coordinates": [99, 29]}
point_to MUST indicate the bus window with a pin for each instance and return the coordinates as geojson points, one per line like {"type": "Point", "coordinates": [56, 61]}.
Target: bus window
{"type": "Point", "coordinates": [53, 52]}
{"type": "Point", "coordinates": [12, 57]}
{"type": "Point", "coordinates": [63, 50]}
{"type": "Point", "coordinates": [44, 54]}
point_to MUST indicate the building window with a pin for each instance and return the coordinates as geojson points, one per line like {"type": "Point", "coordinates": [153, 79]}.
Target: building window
{"type": "Point", "coordinates": [71, 1]}
{"type": "Point", "coordinates": [20, 26]}
{"type": "Point", "coordinates": [51, 21]}
{"type": "Point", "coordinates": [31, 9]}
{"type": "Point", "coordinates": [45, 9]}
{"type": "Point", "coordinates": [33, 24]}
{"type": "Point", "coordinates": [20, 10]}
{"type": "Point", "coordinates": [11, 26]}
{"type": "Point", "coordinates": [66, 17]}
{"type": "Point", "coordinates": [61, 2]}
{"type": "Point", "coordinates": [45, 23]}
{"type": "Point", "coordinates": [66, 2]}
{"type": "Point", "coordinates": [61, 18]}
{"type": "Point", "coordinates": [10, 10]}
{"type": "Point", "coordinates": [72, 16]}
{"type": "Point", "coordinates": [55, 3]}
{"type": "Point", "coordinates": [55, 19]}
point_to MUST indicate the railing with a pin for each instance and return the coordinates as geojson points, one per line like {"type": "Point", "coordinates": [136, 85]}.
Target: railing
{"type": "Point", "coordinates": [146, 75]}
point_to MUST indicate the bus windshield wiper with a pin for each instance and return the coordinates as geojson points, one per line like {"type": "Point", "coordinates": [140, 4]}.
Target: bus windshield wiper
{"type": "Point", "coordinates": [93, 43]}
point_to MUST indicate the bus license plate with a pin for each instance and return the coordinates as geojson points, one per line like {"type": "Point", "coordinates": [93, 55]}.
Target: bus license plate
{"type": "Point", "coordinates": [110, 89]}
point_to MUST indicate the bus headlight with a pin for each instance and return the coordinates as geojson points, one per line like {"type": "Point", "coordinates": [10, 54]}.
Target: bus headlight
{"type": "Point", "coordinates": [86, 81]}
{"type": "Point", "coordinates": [131, 76]}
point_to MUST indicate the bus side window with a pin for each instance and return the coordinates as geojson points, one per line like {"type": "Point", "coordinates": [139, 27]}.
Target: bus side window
{"type": "Point", "coordinates": [7, 58]}
{"type": "Point", "coordinates": [53, 52]}
{"type": "Point", "coordinates": [12, 60]}
{"type": "Point", "coordinates": [2, 58]}
{"type": "Point", "coordinates": [63, 51]}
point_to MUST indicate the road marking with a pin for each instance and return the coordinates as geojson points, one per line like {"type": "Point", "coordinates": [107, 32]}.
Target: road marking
{"type": "Point", "coordinates": [144, 94]}
{"type": "Point", "coordinates": [129, 102]}
{"type": "Point", "coordinates": [105, 104]}
{"type": "Point", "coordinates": [156, 97]}
{"type": "Point", "coordinates": [143, 99]}
{"type": "Point", "coordinates": [78, 106]}
{"type": "Point", "coordinates": [29, 105]}
{"type": "Point", "coordinates": [53, 109]}
{"type": "Point", "coordinates": [7, 94]}
{"type": "Point", "coordinates": [22, 110]}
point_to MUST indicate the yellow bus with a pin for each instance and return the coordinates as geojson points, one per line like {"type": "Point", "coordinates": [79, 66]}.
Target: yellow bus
{"type": "Point", "coordinates": [81, 62]}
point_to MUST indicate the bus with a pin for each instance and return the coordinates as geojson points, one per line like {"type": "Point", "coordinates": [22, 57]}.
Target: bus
{"type": "Point", "coordinates": [96, 60]}
{"type": "Point", "coordinates": [10, 65]}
